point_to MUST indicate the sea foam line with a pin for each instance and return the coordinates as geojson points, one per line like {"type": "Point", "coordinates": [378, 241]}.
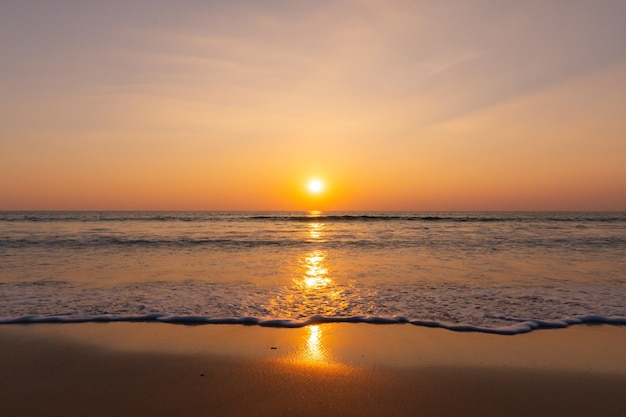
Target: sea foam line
{"type": "Point", "coordinates": [520, 327]}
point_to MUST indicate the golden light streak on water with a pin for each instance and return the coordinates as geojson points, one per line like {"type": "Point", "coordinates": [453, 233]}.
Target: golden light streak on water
{"type": "Point", "coordinates": [315, 274]}
{"type": "Point", "coordinates": [315, 230]}
{"type": "Point", "coordinates": [313, 291]}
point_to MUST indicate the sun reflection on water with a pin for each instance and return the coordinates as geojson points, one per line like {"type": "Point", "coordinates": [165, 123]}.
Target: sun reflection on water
{"type": "Point", "coordinates": [312, 290]}
{"type": "Point", "coordinates": [315, 272]}
{"type": "Point", "coordinates": [315, 230]}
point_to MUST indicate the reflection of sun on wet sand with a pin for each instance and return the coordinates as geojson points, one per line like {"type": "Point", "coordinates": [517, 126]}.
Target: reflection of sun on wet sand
{"type": "Point", "coordinates": [309, 349]}
{"type": "Point", "coordinates": [313, 351]}
{"type": "Point", "coordinates": [130, 369]}
{"type": "Point", "coordinates": [313, 346]}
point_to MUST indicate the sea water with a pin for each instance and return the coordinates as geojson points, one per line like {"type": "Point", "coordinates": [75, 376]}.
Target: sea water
{"type": "Point", "coordinates": [492, 272]}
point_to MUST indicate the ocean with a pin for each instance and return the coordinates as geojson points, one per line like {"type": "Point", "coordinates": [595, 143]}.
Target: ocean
{"type": "Point", "coordinates": [503, 273]}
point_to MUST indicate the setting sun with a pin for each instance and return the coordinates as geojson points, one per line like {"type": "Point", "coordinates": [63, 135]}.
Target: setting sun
{"type": "Point", "coordinates": [315, 186]}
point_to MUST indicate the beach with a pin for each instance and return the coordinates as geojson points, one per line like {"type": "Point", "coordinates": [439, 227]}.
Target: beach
{"type": "Point", "coordinates": [300, 208]}
{"type": "Point", "coordinates": [156, 369]}
{"type": "Point", "coordinates": [310, 314]}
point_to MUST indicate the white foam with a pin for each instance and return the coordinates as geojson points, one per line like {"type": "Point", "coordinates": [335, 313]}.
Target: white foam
{"type": "Point", "coordinates": [460, 307]}
{"type": "Point", "coordinates": [513, 329]}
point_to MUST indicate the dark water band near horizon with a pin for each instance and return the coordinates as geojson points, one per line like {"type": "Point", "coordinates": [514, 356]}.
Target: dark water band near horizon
{"type": "Point", "coordinates": [506, 273]}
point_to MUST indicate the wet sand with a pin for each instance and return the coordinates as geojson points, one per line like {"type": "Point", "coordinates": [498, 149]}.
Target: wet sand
{"type": "Point", "coordinates": [153, 369]}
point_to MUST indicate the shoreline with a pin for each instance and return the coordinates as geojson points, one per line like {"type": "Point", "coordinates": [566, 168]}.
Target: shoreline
{"type": "Point", "coordinates": [159, 369]}
{"type": "Point", "coordinates": [518, 326]}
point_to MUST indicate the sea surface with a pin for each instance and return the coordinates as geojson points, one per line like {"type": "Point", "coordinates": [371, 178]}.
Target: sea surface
{"type": "Point", "coordinates": [491, 272]}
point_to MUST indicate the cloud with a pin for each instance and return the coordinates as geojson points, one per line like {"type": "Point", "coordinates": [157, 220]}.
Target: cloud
{"type": "Point", "coordinates": [398, 66]}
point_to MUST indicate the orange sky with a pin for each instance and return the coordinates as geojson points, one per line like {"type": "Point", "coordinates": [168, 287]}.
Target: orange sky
{"type": "Point", "coordinates": [396, 105]}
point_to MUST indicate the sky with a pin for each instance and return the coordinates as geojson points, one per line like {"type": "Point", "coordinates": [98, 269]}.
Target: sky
{"type": "Point", "coordinates": [236, 105]}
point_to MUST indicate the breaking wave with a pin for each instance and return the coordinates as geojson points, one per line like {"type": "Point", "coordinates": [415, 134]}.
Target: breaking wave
{"type": "Point", "coordinates": [519, 327]}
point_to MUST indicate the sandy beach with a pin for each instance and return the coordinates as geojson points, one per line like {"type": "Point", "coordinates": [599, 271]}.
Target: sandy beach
{"type": "Point", "coordinates": [153, 369]}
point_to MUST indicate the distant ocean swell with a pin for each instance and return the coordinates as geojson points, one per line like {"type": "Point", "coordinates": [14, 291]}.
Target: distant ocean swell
{"type": "Point", "coordinates": [308, 218]}
{"type": "Point", "coordinates": [243, 242]}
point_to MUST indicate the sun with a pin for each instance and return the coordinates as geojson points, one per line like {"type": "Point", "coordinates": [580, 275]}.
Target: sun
{"type": "Point", "coordinates": [315, 186]}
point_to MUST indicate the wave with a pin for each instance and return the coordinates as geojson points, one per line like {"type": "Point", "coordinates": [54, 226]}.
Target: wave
{"type": "Point", "coordinates": [294, 242]}
{"type": "Point", "coordinates": [110, 241]}
{"type": "Point", "coordinates": [478, 218]}
{"type": "Point", "coordinates": [81, 217]}
{"type": "Point", "coordinates": [458, 217]}
{"type": "Point", "coordinates": [519, 327]}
